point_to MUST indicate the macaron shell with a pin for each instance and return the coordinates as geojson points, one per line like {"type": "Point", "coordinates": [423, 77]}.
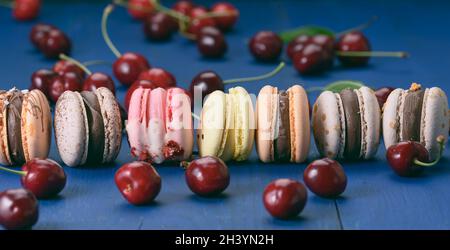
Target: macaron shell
{"type": "Point", "coordinates": [212, 124]}
{"type": "Point", "coordinates": [156, 128]}
{"type": "Point", "coordinates": [136, 124]}
{"type": "Point", "coordinates": [327, 124]}
{"type": "Point", "coordinates": [112, 122]}
{"type": "Point", "coordinates": [5, 158]}
{"type": "Point", "coordinates": [391, 117]}
{"type": "Point", "coordinates": [299, 123]}
{"type": "Point", "coordinates": [435, 120]}
{"type": "Point", "coordinates": [370, 122]}
{"type": "Point", "coordinates": [36, 125]}
{"type": "Point", "coordinates": [226, 149]}
{"type": "Point", "coordinates": [71, 129]}
{"type": "Point", "coordinates": [266, 121]}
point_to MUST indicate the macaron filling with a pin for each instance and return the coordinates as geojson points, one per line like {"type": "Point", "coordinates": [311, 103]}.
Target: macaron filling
{"type": "Point", "coordinates": [282, 142]}
{"type": "Point", "coordinates": [352, 148]}
{"type": "Point", "coordinates": [96, 144]}
{"type": "Point", "coordinates": [13, 112]}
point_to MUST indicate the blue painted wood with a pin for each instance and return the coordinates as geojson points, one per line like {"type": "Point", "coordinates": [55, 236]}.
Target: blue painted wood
{"type": "Point", "coordinates": [375, 198]}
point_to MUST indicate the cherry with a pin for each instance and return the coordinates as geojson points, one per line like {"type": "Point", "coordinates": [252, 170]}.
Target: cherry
{"type": "Point", "coordinates": [285, 198]}
{"type": "Point", "coordinates": [42, 79]}
{"type": "Point", "coordinates": [140, 9]}
{"type": "Point", "coordinates": [198, 22]}
{"type": "Point", "coordinates": [312, 59]}
{"type": "Point", "coordinates": [97, 80]}
{"type": "Point", "coordinates": [266, 46]}
{"type": "Point", "coordinates": [61, 83]}
{"type": "Point", "coordinates": [382, 95]}
{"type": "Point", "coordinates": [327, 42]}
{"type": "Point", "coordinates": [353, 41]}
{"type": "Point", "coordinates": [138, 182]}
{"type": "Point", "coordinates": [183, 6]}
{"type": "Point", "coordinates": [63, 66]}
{"type": "Point", "coordinates": [55, 43]}
{"type": "Point", "coordinates": [228, 15]}
{"type": "Point", "coordinates": [24, 10]}
{"type": "Point", "coordinates": [39, 33]}
{"type": "Point", "coordinates": [207, 176]}
{"type": "Point", "coordinates": [325, 178]}
{"type": "Point", "coordinates": [211, 42]}
{"type": "Point", "coordinates": [159, 26]}
{"type": "Point", "coordinates": [297, 45]}
{"type": "Point", "coordinates": [137, 84]}
{"type": "Point", "coordinates": [206, 82]}
{"type": "Point", "coordinates": [18, 209]}
{"type": "Point", "coordinates": [159, 77]}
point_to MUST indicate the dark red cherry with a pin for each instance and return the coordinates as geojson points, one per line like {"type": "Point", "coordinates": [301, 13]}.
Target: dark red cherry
{"type": "Point", "coordinates": [159, 77]}
{"type": "Point", "coordinates": [285, 198]}
{"type": "Point", "coordinates": [159, 26]}
{"type": "Point", "coordinates": [325, 178]}
{"type": "Point", "coordinates": [18, 209]}
{"type": "Point", "coordinates": [207, 176]}
{"type": "Point", "coordinates": [401, 157]}
{"type": "Point", "coordinates": [61, 83]}
{"type": "Point", "coordinates": [39, 33]}
{"type": "Point", "coordinates": [382, 95]}
{"type": "Point", "coordinates": [206, 82]}
{"type": "Point", "coordinates": [42, 79]}
{"type": "Point", "coordinates": [25, 10]}
{"type": "Point", "coordinates": [140, 9]}
{"type": "Point", "coordinates": [56, 43]}
{"type": "Point", "coordinates": [137, 84]}
{"type": "Point", "coordinates": [297, 45]}
{"type": "Point", "coordinates": [63, 66]}
{"type": "Point", "coordinates": [183, 6]}
{"type": "Point", "coordinates": [45, 178]}
{"type": "Point", "coordinates": [138, 182]}
{"type": "Point", "coordinates": [211, 42]}
{"type": "Point", "coordinates": [353, 41]}
{"type": "Point", "coordinates": [228, 20]}
{"type": "Point", "coordinates": [197, 24]}
{"type": "Point", "coordinates": [97, 80]}
{"type": "Point", "coordinates": [327, 42]}
{"type": "Point", "coordinates": [266, 46]}
{"type": "Point", "coordinates": [311, 60]}
{"type": "Point", "coordinates": [128, 67]}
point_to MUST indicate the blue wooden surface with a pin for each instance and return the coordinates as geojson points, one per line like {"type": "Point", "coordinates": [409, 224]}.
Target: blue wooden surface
{"type": "Point", "coordinates": [375, 197]}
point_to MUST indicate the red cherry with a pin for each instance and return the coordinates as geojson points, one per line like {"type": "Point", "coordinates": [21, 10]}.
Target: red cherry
{"type": "Point", "coordinates": [285, 198]}
{"type": "Point", "coordinates": [45, 178]}
{"type": "Point", "coordinates": [325, 178]}
{"type": "Point", "coordinates": [228, 21]}
{"type": "Point", "coordinates": [140, 9]}
{"type": "Point", "coordinates": [297, 45]}
{"type": "Point", "coordinates": [159, 77]}
{"type": "Point", "coordinates": [211, 42]}
{"type": "Point", "coordinates": [42, 79]}
{"type": "Point", "coordinates": [207, 176]}
{"type": "Point", "coordinates": [137, 84]}
{"type": "Point", "coordinates": [63, 66]}
{"type": "Point", "coordinates": [138, 182]}
{"type": "Point", "coordinates": [56, 43]}
{"type": "Point", "coordinates": [183, 6]}
{"type": "Point", "coordinates": [266, 46]}
{"type": "Point", "coordinates": [197, 24]}
{"type": "Point", "coordinates": [18, 209]}
{"type": "Point", "coordinates": [325, 41]}
{"type": "Point", "coordinates": [159, 26]}
{"type": "Point", "coordinates": [24, 10]}
{"type": "Point", "coordinates": [401, 157]}
{"type": "Point", "coordinates": [128, 67]}
{"type": "Point", "coordinates": [97, 80]}
{"type": "Point", "coordinates": [39, 33]}
{"type": "Point", "coordinates": [207, 82]}
{"type": "Point", "coordinates": [353, 41]}
{"type": "Point", "coordinates": [382, 95]}
{"type": "Point", "coordinates": [61, 83]}
{"type": "Point", "coordinates": [311, 60]}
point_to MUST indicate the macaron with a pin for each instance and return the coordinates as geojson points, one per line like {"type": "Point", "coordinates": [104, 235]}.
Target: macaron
{"type": "Point", "coordinates": [347, 124]}
{"type": "Point", "coordinates": [416, 114]}
{"type": "Point", "coordinates": [159, 125]}
{"type": "Point", "coordinates": [283, 124]}
{"type": "Point", "coordinates": [227, 125]}
{"type": "Point", "coordinates": [88, 128]}
{"type": "Point", "coordinates": [25, 126]}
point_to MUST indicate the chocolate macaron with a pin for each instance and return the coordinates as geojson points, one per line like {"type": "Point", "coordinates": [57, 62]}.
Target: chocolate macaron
{"type": "Point", "coordinates": [25, 126]}
{"type": "Point", "coordinates": [88, 127]}
{"type": "Point", "coordinates": [347, 124]}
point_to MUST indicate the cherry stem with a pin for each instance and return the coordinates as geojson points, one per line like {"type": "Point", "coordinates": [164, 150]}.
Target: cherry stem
{"type": "Point", "coordinates": [398, 54]}
{"type": "Point", "coordinates": [80, 65]}
{"type": "Point", "coordinates": [13, 171]}
{"type": "Point", "coordinates": [95, 62]}
{"type": "Point", "coordinates": [195, 116]}
{"type": "Point", "coordinates": [170, 12]}
{"type": "Point", "coordinates": [256, 78]}
{"type": "Point", "coordinates": [127, 5]}
{"type": "Point", "coordinates": [218, 14]}
{"type": "Point", "coordinates": [184, 164]}
{"type": "Point", "coordinates": [7, 4]}
{"type": "Point", "coordinates": [108, 9]}
{"type": "Point", "coordinates": [441, 141]}
{"type": "Point", "coordinates": [359, 27]}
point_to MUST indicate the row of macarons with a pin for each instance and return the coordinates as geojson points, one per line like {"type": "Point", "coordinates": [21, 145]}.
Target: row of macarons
{"type": "Point", "coordinates": [160, 126]}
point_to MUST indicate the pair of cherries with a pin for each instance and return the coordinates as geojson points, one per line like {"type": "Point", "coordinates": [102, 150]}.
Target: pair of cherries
{"type": "Point", "coordinates": [24, 10]}
{"type": "Point", "coordinates": [50, 40]}
{"type": "Point", "coordinates": [286, 198]}
{"type": "Point", "coordinates": [68, 74]}
{"type": "Point", "coordinates": [140, 183]}
{"type": "Point", "coordinates": [40, 179]}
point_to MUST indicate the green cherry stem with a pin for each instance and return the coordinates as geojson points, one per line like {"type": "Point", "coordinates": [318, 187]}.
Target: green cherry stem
{"type": "Point", "coordinates": [359, 27]}
{"type": "Point", "coordinates": [106, 12]}
{"type": "Point", "coordinates": [257, 78]}
{"type": "Point", "coordinates": [195, 116]}
{"type": "Point", "coordinates": [13, 171]}
{"type": "Point", "coordinates": [184, 164]}
{"type": "Point", "coordinates": [159, 7]}
{"type": "Point", "coordinates": [80, 65]}
{"type": "Point", "coordinates": [218, 14]}
{"type": "Point", "coordinates": [440, 139]}
{"type": "Point", "coordinates": [398, 54]}
{"type": "Point", "coordinates": [95, 62]}
{"type": "Point", "coordinates": [7, 4]}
